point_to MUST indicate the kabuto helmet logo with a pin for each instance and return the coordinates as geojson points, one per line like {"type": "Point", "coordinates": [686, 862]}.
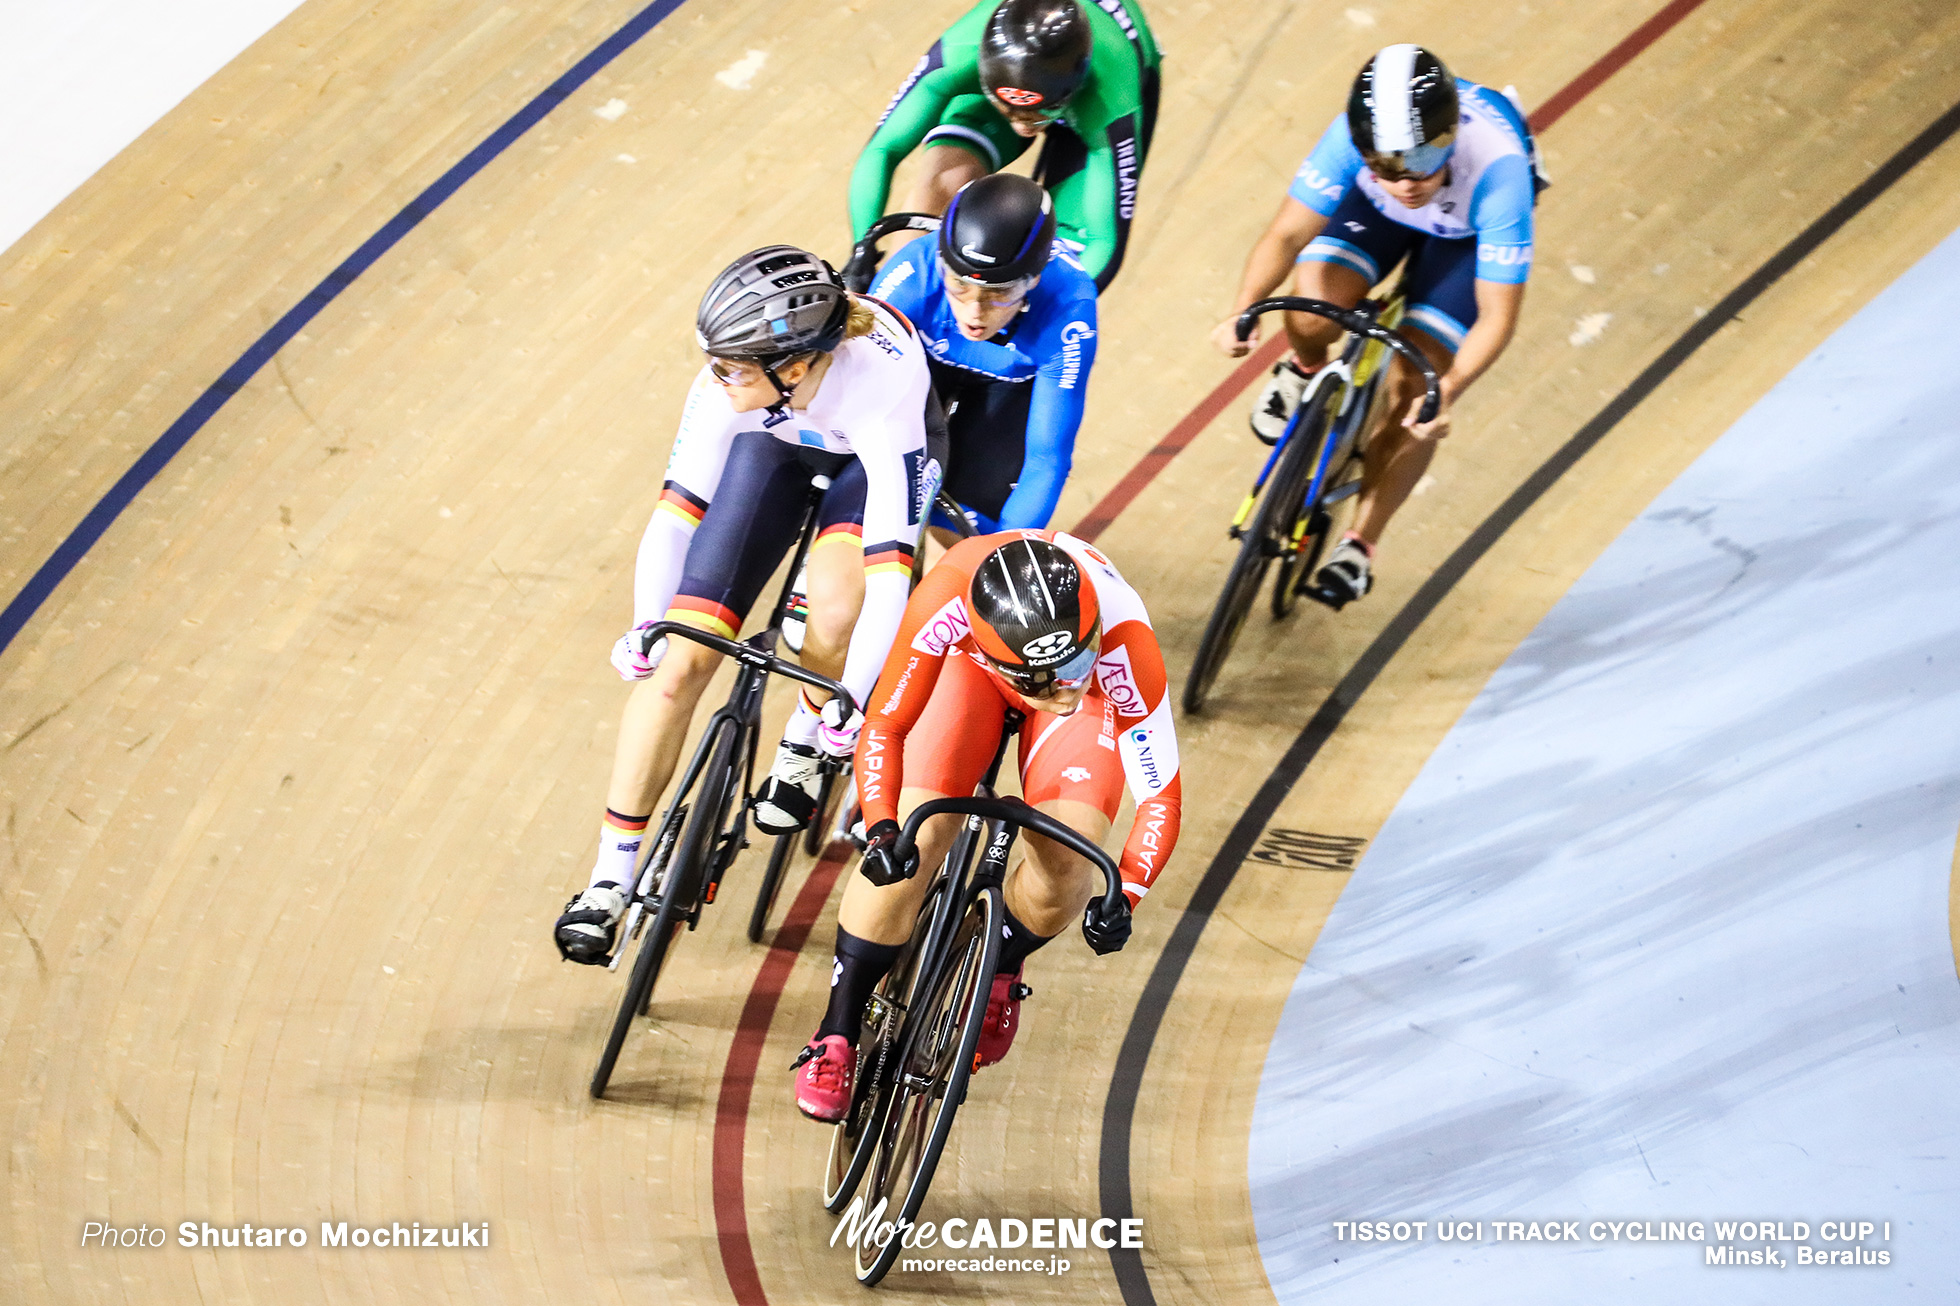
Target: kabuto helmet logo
{"type": "Point", "coordinates": [1047, 646]}
{"type": "Point", "coordinates": [1017, 97]}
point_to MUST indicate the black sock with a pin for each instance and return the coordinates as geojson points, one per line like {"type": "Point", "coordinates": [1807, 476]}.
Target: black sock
{"type": "Point", "coordinates": [858, 967]}
{"type": "Point", "coordinates": [1017, 943]}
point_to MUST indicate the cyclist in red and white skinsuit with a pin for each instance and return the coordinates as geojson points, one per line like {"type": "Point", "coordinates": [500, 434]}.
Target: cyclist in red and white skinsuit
{"type": "Point", "coordinates": [1039, 622]}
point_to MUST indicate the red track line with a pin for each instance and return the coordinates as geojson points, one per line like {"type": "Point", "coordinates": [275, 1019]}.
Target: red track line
{"type": "Point", "coordinates": [1609, 63]}
{"type": "Point", "coordinates": [1181, 435]}
{"type": "Point", "coordinates": [738, 1080]}
{"type": "Point", "coordinates": [1140, 476]}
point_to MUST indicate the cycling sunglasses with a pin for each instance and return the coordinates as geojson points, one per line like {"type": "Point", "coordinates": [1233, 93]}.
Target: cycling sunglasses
{"type": "Point", "coordinates": [1036, 682]}
{"type": "Point", "coordinates": [1413, 164]}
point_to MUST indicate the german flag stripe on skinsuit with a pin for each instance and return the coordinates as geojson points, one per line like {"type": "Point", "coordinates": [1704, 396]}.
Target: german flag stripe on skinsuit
{"type": "Point", "coordinates": [843, 532]}
{"type": "Point", "coordinates": [705, 614]}
{"type": "Point", "coordinates": [681, 504]}
{"type": "Point", "coordinates": [890, 556]}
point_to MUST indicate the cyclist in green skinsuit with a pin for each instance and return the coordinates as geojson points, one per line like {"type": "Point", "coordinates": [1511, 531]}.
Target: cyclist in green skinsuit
{"type": "Point", "coordinates": [1083, 71]}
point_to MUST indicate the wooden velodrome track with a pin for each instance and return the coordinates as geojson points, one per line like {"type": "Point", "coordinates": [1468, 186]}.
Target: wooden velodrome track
{"type": "Point", "coordinates": [300, 760]}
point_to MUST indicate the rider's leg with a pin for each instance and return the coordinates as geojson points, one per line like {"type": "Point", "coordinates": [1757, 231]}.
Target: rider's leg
{"type": "Point", "coordinates": [1317, 277]}
{"type": "Point", "coordinates": [834, 580]}
{"type": "Point", "coordinates": [1356, 250]}
{"type": "Point", "coordinates": [1442, 304]}
{"type": "Point", "coordinates": [651, 732]}
{"type": "Point", "coordinates": [1394, 459]}
{"type": "Point", "coordinates": [943, 169]}
{"type": "Point", "coordinates": [1312, 339]}
{"type": "Point", "coordinates": [654, 726]}
{"type": "Point", "coordinates": [937, 540]}
{"type": "Point", "coordinates": [1050, 887]}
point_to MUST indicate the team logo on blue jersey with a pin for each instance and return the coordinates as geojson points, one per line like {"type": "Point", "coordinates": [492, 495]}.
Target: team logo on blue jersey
{"type": "Point", "coordinates": [922, 476]}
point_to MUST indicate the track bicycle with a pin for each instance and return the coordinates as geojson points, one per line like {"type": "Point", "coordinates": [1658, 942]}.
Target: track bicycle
{"type": "Point", "coordinates": [861, 269]}
{"type": "Point", "coordinates": [706, 824]}
{"type": "Point", "coordinates": [922, 1023]}
{"type": "Point", "coordinates": [1312, 476]}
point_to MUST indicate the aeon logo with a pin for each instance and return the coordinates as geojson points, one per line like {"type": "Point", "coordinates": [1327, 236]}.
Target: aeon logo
{"type": "Point", "coordinates": [943, 629]}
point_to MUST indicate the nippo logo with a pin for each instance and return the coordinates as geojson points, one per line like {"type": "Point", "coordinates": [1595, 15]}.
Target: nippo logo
{"type": "Point", "coordinates": [1047, 646]}
{"type": "Point", "coordinates": [1017, 97]}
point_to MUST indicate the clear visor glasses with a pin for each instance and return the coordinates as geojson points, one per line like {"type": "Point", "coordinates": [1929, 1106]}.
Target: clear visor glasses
{"type": "Point", "coordinates": [1036, 681]}
{"type": "Point", "coordinates": [1413, 164]}
{"type": "Point", "coordinates": [730, 371]}
{"type": "Point", "coordinates": [998, 295]}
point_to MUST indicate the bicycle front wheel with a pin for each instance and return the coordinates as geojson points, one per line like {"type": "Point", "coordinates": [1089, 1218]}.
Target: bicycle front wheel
{"type": "Point", "coordinates": [935, 1061]}
{"type": "Point", "coordinates": [772, 883]}
{"type": "Point", "coordinates": [1267, 536]}
{"type": "Point", "coordinates": [680, 885]}
{"type": "Point", "coordinates": [856, 1136]}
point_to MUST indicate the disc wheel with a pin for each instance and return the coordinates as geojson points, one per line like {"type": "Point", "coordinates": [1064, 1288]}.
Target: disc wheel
{"type": "Point", "coordinates": [935, 1061]}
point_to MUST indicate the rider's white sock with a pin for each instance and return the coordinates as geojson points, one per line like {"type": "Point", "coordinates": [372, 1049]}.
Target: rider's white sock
{"type": "Point", "coordinates": [620, 838]}
{"type": "Point", "coordinates": [802, 727]}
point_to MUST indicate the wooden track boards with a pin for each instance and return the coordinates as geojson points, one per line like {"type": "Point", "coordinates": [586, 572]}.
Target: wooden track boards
{"type": "Point", "coordinates": [301, 760]}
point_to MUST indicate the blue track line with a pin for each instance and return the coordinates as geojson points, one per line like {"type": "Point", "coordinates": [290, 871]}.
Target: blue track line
{"type": "Point", "coordinates": [154, 459]}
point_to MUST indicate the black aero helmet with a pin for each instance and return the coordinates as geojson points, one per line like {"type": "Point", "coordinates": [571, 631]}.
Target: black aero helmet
{"type": "Point", "coordinates": [998, 229]}
{"type": "Point", "coordinates": [772, 304]}
{"type": "Point", "coordinates": [1035, 53]}
{"type": "Point", "coordinates": [1035, 615]}
{"type": "Point", "coordinates": [1403, 111]}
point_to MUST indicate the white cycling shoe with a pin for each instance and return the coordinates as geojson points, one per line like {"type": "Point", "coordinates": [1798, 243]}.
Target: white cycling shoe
{"type": "Point", "coordinates": [1347, 574]}
{"type": "Point", "coordinates": [585, 932]}
{"type": "Point", "coordinates": [788, 800]}
{"type": "Point", "coordinates": [1278, 400]}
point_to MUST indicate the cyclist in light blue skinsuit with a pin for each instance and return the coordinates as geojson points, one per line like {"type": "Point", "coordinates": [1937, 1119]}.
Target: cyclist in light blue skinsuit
{"type": "Point", "coordinates": [1422, 165]}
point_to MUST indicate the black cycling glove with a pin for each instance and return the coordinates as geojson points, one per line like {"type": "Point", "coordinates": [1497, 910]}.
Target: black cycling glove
{"type": "Point", "coordinates": [884, 861]}
{"type": "Point", "coordinates": [1107, 931]}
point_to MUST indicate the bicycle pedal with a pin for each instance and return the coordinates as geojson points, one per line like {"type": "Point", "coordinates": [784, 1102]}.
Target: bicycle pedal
{"type": "Point", "coordinates": [1325, 597]}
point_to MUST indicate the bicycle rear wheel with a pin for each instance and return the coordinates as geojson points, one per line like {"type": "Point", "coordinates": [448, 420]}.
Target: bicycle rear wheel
{"type": "Point", "coordinates": [935, 1061]}
{"type": "Point", "coordinates": [680, 885]}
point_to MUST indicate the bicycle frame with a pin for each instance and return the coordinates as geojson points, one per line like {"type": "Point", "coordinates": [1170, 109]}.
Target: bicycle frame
{"type": "Point", "coordinates": [1356, 370]}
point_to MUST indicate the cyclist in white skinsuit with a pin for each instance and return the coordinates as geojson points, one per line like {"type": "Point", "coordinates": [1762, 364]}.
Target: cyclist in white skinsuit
{"type": "Point", "coordinates": [802, 380]}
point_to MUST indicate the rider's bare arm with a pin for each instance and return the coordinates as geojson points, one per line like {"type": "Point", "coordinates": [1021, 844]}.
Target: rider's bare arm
{"type": "Point", "coordinates": [1498, 305]}
{"type": "Point", "coordinates": [1268, 267]}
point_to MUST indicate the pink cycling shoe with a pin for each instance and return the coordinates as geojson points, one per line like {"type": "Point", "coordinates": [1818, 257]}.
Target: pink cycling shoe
{"type": "Point", "coordinates": [1003, 1018]}
{"type": "Point", "coordinates": [823, 1084]}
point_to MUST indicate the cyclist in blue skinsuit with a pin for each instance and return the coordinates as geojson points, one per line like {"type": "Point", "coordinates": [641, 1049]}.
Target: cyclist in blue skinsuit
{"type": "Point", "coordinates": [1422, 165]}
{"type": "Point", "coordinates": [1009, 323]}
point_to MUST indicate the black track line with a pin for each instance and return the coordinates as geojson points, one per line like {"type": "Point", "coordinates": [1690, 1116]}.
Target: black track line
{"type": "Point", "coordinates": [1119, 1111]}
